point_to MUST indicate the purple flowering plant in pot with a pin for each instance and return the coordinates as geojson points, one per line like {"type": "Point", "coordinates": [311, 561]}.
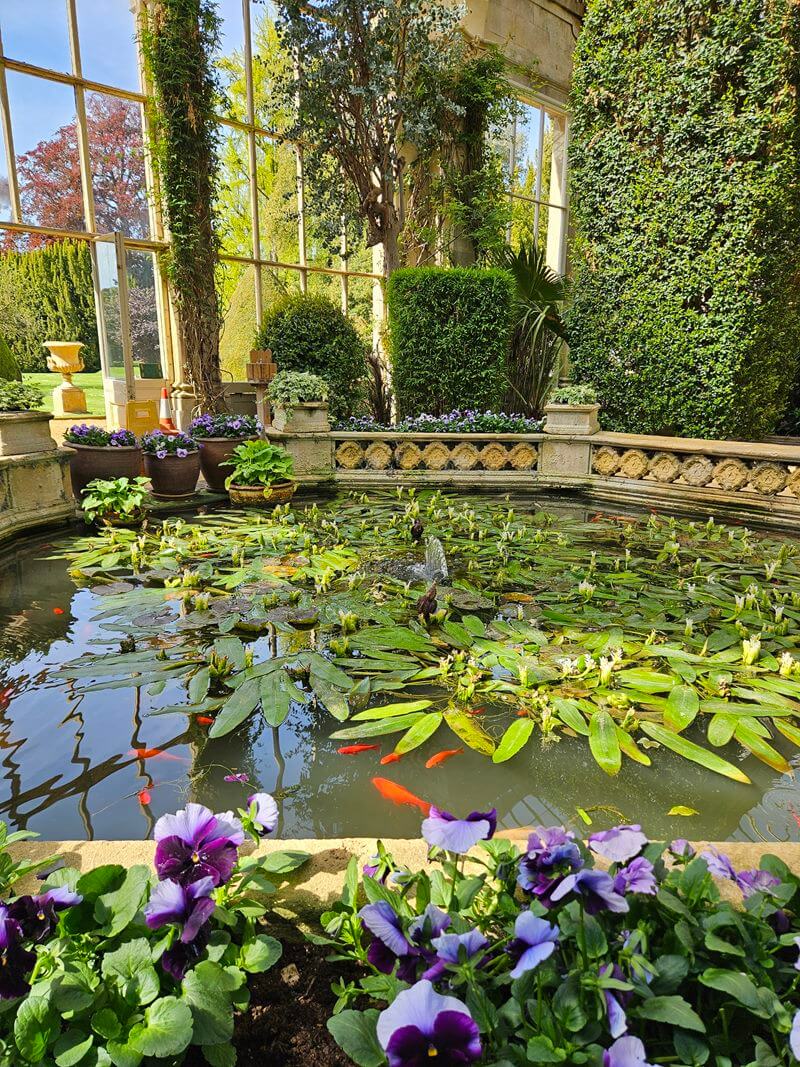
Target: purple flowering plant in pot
{"type": "Point", "coordinates": [172, 463]}
{"type": "Point", "coordinates": [614, 952]}
{"type": "Point", "coordinates": [101, 453]}
{"type": "Point", "coordinates": [216, 437]}
{"type": "Point", "coordinates": [113, 966]}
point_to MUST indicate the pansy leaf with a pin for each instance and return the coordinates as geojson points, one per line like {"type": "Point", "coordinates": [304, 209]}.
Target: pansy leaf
{"type": "Point", "coordinates": [166, 1030]}
{"type": "Point", "coordinates": [673, 1010]}
{"type": "Point", "coordinates": [204, 990]}
{"type": "Point", "coordinates": [355, 1032]}
{"type": "Point", "coordinates": [35, 1025]}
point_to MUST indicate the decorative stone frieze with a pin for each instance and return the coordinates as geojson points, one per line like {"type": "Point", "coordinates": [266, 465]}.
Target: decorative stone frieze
{"type": "Point", "coordinates": [409, 453]}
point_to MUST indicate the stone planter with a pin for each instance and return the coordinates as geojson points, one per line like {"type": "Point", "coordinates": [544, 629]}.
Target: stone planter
{"type": "Point", "coordinates": [260, 496]}
{"type": "Point", "coordinates": [106, 462]}
{"type": "Point", "coordinates": [303, 418]}
{"type": "Point", "coordinates": [173, 477]}
{"type": "Point", "coordinates": [23, 432]}
{"type": "Point", "coordinates": [576, 419]}
{"type": "Point", "coordinates": [213, 451]}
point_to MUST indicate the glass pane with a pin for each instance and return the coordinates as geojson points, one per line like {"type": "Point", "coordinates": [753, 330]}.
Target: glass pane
{"type": "Point", "coordinates": [110, 303]}
{"type": "Point", "coordinates": [269, 60]}
{"type": "Point", "coordinates": [233, 198]}
{"type": "Point", "coordinates": [237, 288]}
{"type": "Point", "coordinates": [229, 60]}
{"type": "Point", "coordinates": [46, 146]}
{"type": "Point", "coordinates": [276, 170]}
{"type": "Point", "coordinates": [116, 155]}
{"type": "Point", "coordinates": [37, 34]}
{"type": "Point", "coordinates": [143, 314]}
{"type": "Point", "coordinates": [107, 35]}
{"type": "Point", "coordinates": [5, 196]}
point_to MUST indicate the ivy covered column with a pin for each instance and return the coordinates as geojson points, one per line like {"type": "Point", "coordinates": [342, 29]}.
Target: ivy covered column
{"type": "Point", "coordinates": [179, 38]}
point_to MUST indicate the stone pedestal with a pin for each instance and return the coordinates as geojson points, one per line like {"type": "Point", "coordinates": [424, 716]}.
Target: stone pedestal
{"type": "Point", "coordinates": [69, 399]}
{"type": "Point", "coordinates": [23, 432]}
{"type": "Point", "coordinates": [312, 455]}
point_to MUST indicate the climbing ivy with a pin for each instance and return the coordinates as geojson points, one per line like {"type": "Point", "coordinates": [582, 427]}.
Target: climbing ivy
{"type": "Point", "coordinates": [685, 158]}
{"type": "Point", "coordinates": [179, 39]}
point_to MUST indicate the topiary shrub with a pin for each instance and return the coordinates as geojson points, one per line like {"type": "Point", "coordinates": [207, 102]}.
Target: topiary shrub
{"type": "Point", "coordinates": [449, 333]}
{"type": "Point", "coordinates": [685, 150]}
{"type": "Point", "coordinates": [309, 333]}
{"type": "Point", "coordinates": [9, 368]}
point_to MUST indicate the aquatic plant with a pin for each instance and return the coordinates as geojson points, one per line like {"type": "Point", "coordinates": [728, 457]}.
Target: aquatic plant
{"type": "Point", "coordinates": [258, 463]}
{"type": "Point", "coordinates": [628, 636]}
{"type": "Point", "coordinates": [466, 962]}
{"type": "Point", "coordinates": [117, 498]}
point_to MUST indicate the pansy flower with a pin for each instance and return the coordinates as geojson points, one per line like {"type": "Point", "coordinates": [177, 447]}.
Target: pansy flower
{"type": "Point", "coordinates": [389, 945]}
{"type": "Point", "coordinates": [638, 876]}
{"type": "Point", "coordinates": [266, 816]}
{"type": "Point", "coordinates": [535, 940]}
{"type": "Point", "coordinates": [619, 844]}
{"type": "Point", "coordinates": [552, 854]}
{"type": "Point", "coordinates": [719, 865]}
{"type": "Point", "coordinates": [37, 915]}
{"type": "Point", "coordinates": [443, 830]}
{"type": "Point", "coordinates": [751, 882]}
{"type": "Point", "coordinates": [626, 1052]}
{"type": "Point", "coordinates": [681, 848]}
{"type": "Point", "coordinates": [16, 962]}
{"type": "Point", "coordinates": [615, 1001]}
{"type": "Point", "coordinates": [421, 1026]}
{"type": "Point", "coordinates": [195, 843]}
{"type": "Point", "coordinates": [595, 887]}
{"type": "Point", "coordinates": [188, 906]}
{"type": "Point", "coordinates": [452, 949]}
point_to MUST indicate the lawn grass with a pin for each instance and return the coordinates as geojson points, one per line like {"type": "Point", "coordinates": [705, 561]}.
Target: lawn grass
{"type": "Point", "coordinates": [92, 385]}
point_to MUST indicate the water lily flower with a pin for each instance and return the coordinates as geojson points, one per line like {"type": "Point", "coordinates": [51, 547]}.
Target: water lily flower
{"type": "Point", "coordinates": [535, 941]}
{"type": "Point", "coordinates": [680, 847]}
{"type": "Point", "coordinates": [15, 961]}
{"type": "Point", "coordinates": [626, 1052]}
{"type": "Point", "coordinates": [596, 888]}
{"type": "Point", "coordinates": [638, 877]}
{"type": "Point", "coordinates": [751, 882]}
{"type": "Point", "coordinates": [187, 906]}
{"type": "Point", "coordinates": [36, 915]}
{"type": "Point", "coordinates": [421, 1024]}
{"type": "Point", "coordinates": [618, 844]}
{"type": "Point", "coordinates": [194, 843]}
{"type": "Point", "coordinates": [458, 835]}
{"type": "Point", "coordinates": [552, 853]}
{"type": "Point", "coordinates": [719, 864]}
{"type": "Point", "coordinates": [794, 1036]}
{"type": "Point", "coordinates": [266, 816]}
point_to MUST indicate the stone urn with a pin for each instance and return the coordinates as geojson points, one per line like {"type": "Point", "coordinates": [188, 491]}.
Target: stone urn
{"type": "Point", "coordinates": [65, 359]}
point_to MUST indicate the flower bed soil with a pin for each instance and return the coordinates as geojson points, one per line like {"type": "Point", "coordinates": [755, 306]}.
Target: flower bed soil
{"type": "Point", "coordinates": [290, 1004]}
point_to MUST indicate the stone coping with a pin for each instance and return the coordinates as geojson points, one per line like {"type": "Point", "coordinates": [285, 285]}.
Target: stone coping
{"type": "Point", "coordinates": [399, 435]}
{"type": "Point", "coordinates": [315, 886]}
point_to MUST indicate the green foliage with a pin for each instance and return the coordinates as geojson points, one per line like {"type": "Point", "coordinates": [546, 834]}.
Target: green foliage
{"type": "Point", "coordinates": [258, 463]}
{"type": "Point", "coordinates": [574, 394]}
{"type": "Point", "coordinates": [685, 150]}
{"type": "Point", "coordinates": [9, 367]}
{"type": "Point", "coordinates": [289, 388]}
{"type": "Point", "coordinates": [309, 333]}
{"type": "Point", "coordinates": [14, 396]}
{"type": "Point", "coordinates": [47, 295]}
{"type": "Point", "coordinates": [120, 498]}
{"type": "Point", "coordinates": [239, 320]}
{"type": "Point", "coordinates": [448, 338]}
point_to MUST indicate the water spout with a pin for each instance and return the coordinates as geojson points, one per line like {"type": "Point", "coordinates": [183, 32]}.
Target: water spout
{"type": "Point", "coordinates": [434, 569]}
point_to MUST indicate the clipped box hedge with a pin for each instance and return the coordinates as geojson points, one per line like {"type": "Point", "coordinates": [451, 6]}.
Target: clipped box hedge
{"type": "Point", "coordinates": [685, 160]}
{"type": "Point", "coordinates": [449, 331]}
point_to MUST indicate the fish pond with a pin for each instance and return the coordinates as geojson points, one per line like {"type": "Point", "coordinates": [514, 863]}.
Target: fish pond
{"type": "Point", "coordinates": [363, 657]}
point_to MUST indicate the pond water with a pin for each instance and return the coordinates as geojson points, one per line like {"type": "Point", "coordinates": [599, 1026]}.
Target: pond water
{"type": "Point", "coordinates": [545, 615]}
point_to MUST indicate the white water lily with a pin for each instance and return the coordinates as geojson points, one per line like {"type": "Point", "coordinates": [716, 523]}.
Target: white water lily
{"type": "Point", "coordinates": [778, 609]}
{"type": "Point", "coordinates": [770, 568]}
{"type": "Point", "coordinates": [688, 628]}
{"type": "Point", "coordinates": [739, 604]}
{"type": "Point", "coordinates": [751, 647]}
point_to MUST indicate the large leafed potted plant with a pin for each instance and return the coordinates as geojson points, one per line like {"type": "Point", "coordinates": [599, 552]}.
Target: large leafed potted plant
{"type": "Point", "coordinates": [172, 463]}
{"type": "Point", "coordinates": [299, 402]}
{"type": "Point", "coordinates": [119, 502]}
{"type": "Point", "coordinates": [216, 437]}
{"type": "Point", "coordinates": [23, 427]}
{"type": "Point", "coordinates": [261, 475]}
{"type": "Point", "coordinates": [573, 410]}
{"type": "Point", "coordinates": [101, 453]}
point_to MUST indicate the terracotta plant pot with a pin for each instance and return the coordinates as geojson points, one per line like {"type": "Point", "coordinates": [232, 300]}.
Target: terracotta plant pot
{"type": "Point", "coordinates": [259, 496]}
{"type": "Point", "coordinates": [94, 461]}
{"type": "Point", "coordinates": [213, 450]}
{"type": "Point", "coordinates": [173, 477]}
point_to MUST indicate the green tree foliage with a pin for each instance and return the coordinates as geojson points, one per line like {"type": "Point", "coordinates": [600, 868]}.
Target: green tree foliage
{"type": "Point", "coordinates": [448, 338]}
{"type": "Point", "coordinates": [47, 295]}
{"type": "Point", "coordinates": [309, 333]}
{"type": "Point", "coordinates": [9, 367]}
{"type": "Point", "coordinates": [685, 154]}
{"type": "Point", "coordinates": [236, 339]}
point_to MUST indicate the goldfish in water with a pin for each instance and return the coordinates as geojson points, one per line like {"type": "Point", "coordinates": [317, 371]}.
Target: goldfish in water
{"type": "Point", "coordinates": [522, 713]}
{"type": "Point", "coordinates": [5, 697]}
{"type": "Point", "coordinates": [143, 796]}
{"type": "Point", "coordinates": [204, 720]}
{"type": "Point", "coordinates": [393, 757]}
{"type": "Point", "coordinates": [795, 816]}
{"type": "Point", "coordinates": [151, 753]}
{"type": "Point", "coordinates": [398, 794]}
{"type": "Point", "coordinates": [478, 711]}
{"type": "Point", "coordinates": [353, 750]}
{"type": "Point", "coordinates": [58, 611]}
{"type": "Point", "coordinates": [441, 757]}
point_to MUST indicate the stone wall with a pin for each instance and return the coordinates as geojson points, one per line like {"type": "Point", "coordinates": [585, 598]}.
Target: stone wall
{"type": "Point", "coordinates": [35, 487]}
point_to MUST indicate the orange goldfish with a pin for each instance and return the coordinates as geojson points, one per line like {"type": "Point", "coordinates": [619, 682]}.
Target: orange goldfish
{"type": "Point", "coordinates": [478, 711]}
{"type": "Point", "coordinates": [398, 794]}
{"type": "Point", "coordinates": [522, 713]}
{"type": "Point", "coordinates": [353, 750]}
{"type": "Point", "coordinates": [58, 611]}
{"type": "Point", "coordinates": [393, 757]}
{"type": "Point", "coordinates": [150, 753]}
{"type": "Point", "coordinates": [441, 757]}
{"type": "Point", "coordinates": [204, 720]}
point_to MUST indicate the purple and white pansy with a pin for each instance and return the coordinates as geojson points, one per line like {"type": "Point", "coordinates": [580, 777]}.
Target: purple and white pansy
{"type": "Point", "coordinates": [443, 830]}
{"type": "Point", "coordinates": [422, 1026]}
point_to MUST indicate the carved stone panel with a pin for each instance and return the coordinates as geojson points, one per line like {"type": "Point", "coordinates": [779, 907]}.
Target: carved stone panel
{"type": "Point", "coordinates": [665, 466]}
{"type": "Point", "coordinates": [697, 470]}
{"type": "Point", "coordinates": [349, 455]}
{"type": "Point", "coordinates": [378, 455]}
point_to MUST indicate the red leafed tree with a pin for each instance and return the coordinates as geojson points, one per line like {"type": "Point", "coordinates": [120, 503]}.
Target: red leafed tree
{"type": "Point", "coordinates": [50, 181]}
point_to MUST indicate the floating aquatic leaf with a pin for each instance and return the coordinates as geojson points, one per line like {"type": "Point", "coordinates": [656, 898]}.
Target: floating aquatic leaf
{"type": "Point", "coordinates": [689, 750]}
{"type": "Point", "coordinates": [680, 809]}
{"type": "Point", "coordinates": [516, 737]}
{"type": "Point", "coordinates": [681, 708]}
{"type": "Point", "coordinates": [393, 725]}
{"type": "Point", "coordinates": [419, 733]}
{"type": "Point", "coordinates": [386, 711]}
{"type": "Point", "coordinates": [471, 733]}
{"type": "Point", "coordinates": [604, 743]}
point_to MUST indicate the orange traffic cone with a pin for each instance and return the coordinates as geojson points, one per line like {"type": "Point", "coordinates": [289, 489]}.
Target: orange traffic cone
{"type": "Point", "coordinates": [165, 421]}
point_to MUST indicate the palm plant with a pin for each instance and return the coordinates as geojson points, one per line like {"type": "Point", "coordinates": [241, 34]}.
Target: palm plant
{"type": "Point", "coordinates": [538, 330]}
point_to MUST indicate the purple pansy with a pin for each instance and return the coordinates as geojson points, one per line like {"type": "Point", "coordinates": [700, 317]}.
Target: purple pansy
{"type": "Point", "coordinates": [617, 1019]}
{"type": "Point", "coordinates": [751, 882]}
{"type": "Point", "coordinates": [719, 865]}
{"type": "Point", "coordinates": [794, 1036]}
{"type": "Point", "coordinates": [618, 844]}
{"type": "Point", "coordinates": [535, 941]}
{"type": "Point", "coordinates": [15, 961]}
{"type": "Point", "coordinates": [389, 945]}
{"type": "Point", "coordinates": [638, 876]}
{"type": "Point", "coordinates": [266, 815]}
{"type": "Point", "coordinates": [187, 906]}
{"type": "Point", "coordinates": [595, 887]}
{"type": "Point", "coordinates": [37, 915]}
{"type": "Point", "coordinates": [241, 778]}
{"type": "Point", "coordinates": [797, 962]}
{"type": "Point", "coordinates": [161, 453]}
{"type": "Point", "coordinates": [626, 1052]}
{"type": "Point", "coordinates": [452, 949]}
{"type": "Point", "coordinates": [182, 452]}
{"type": "Point", "coordinates": [421, 1024]}
{"type": "Point", "coordinates": [552, 853]}
{"type": "Point", "coordinates": [458, 835]}
{"type": "Point", "coordinates": [194, 843]}
{"type": "Point", "coordinates": [680, 847]}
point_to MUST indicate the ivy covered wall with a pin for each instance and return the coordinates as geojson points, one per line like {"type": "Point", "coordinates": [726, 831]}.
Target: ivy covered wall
{"type": "Point", "coordinates": [685, 163]}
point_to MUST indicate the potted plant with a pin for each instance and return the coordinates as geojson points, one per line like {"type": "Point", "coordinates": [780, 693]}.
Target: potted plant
{"type": "Point", "coordinates": [23, 427]}
{"type": "Point", "coordinates": [118, 502]}
{"type": "Point", "coordinates": [172, 463]}
{"type": "Point", "coordinates": [261, 474]}
{"type": "Point", "coordinates": [216, 437]}
{"type": "Point", "coordinates": [101, 453]}
{"type": "Point", "coordinates": [299, 402]}
{"type": "Point", "coordinates": [572, 410]}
